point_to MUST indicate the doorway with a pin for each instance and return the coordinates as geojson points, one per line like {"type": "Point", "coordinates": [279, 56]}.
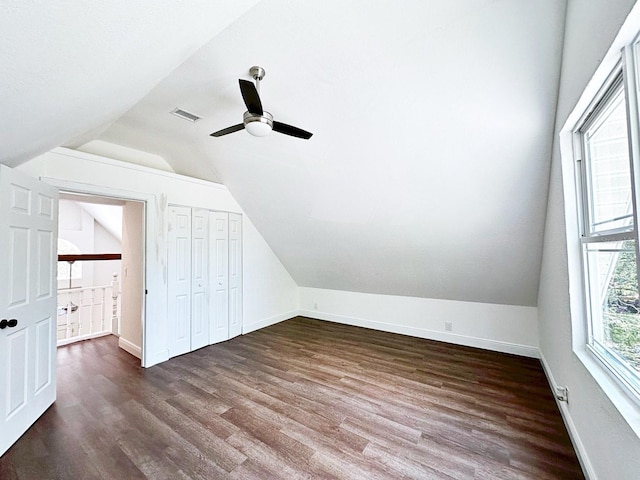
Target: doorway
{"type": "Point", "coordinates": [101, 288]}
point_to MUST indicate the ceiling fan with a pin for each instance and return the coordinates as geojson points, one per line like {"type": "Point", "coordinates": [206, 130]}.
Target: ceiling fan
{"type": "Point", "coordinates": [255, 120]}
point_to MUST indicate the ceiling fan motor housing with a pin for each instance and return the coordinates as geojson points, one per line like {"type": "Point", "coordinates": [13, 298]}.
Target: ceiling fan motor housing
{"type": "Point", "coordinates": [258, 125]}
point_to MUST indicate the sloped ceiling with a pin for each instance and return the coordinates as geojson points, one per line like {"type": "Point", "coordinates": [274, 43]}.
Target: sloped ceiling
{"type": "Point", "coordinates": [427, 172]}
{"type": "Point", "coordinates": [106, 211]}
{"type": "Point", "coordinates": [70, 68]}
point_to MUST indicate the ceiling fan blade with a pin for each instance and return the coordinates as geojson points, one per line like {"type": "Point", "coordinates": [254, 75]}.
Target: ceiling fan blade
{"type": "Point", "coordinates": [251, 97]}
{"type": "Point", "coordinates": [228, 130]}
{"type": "Point", "coordinates": [289, 130]}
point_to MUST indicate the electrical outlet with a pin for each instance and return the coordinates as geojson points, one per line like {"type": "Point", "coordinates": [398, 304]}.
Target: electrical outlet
{"type": "Point", "coordinates": [562, 394]}
{"type": "Point", "coordinates": [448, 326]}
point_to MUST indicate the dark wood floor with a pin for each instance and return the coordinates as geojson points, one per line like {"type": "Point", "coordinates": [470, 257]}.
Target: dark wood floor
{"type": "Point", "coordinates": [301, 399]}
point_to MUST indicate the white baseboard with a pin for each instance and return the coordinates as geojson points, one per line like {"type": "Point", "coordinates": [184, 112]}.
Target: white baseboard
{"type": "Point", "coordinates": [71, 340]}
{"type": "Point", "coordinates": [578, 446]}
{"type": "Point", "coordinates": [269, 321]}
{"type": "Point", "coordinates": [448, 337]}
{"type": "Point", "coordinates": [127, 346]}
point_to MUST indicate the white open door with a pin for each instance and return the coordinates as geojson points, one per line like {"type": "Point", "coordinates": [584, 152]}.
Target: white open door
{"type": "Point", "coordinates": [28, 240]}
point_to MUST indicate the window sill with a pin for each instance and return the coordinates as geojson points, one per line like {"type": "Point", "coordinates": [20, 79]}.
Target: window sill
{"type": "Point", "coordinates": [620, 397]}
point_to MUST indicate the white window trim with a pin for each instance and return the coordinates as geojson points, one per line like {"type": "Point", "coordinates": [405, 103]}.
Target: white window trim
{"type": "Point", "coordinates": [621, 79]}
{"type": "Point", "coordinates": [621, 397]}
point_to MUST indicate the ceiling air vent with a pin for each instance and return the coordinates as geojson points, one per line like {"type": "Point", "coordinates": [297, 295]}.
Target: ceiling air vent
{"type": "Point", "coordinates": [178, 112]}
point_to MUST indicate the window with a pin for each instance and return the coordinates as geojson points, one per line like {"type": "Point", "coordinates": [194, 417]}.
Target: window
{"type": "Point", "coordinates": [609, 235]}
{"type": "Point", "coordinates": [68, 271]}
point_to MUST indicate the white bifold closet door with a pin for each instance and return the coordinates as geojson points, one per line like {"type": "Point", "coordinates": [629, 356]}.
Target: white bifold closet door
{"type": "Point", "coordinates": [226, 275]}
{"type": "Point", "coordinates": [187, 279]}
{"type": "Point", "coordinates": [235, 275]}
{"type": "Point", "coordinates": [199, 278]}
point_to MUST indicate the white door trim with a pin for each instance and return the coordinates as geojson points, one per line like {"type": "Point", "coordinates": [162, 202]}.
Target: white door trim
{"type": "Point", "coordinates": [149, 233]}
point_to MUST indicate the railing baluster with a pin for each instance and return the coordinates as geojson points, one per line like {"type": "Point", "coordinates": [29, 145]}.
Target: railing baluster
{"type": "Point", "coordinates": [102, 302]}
{"type": "Point", "coordinates": [115, 292]}
{"type": "Point", "coordinates": [69, 332]}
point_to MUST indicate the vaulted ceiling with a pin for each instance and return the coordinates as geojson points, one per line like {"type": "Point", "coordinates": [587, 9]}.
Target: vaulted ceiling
{"type": "Point", "coordinates": [428, 168]}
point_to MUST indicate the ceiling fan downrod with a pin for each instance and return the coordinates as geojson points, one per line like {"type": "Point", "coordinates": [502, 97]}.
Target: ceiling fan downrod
{"type": "Point", "coordinates": [258, 74]}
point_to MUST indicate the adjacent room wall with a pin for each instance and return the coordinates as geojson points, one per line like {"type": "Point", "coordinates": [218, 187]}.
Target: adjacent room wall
{"type": "Point", "coordinates": [503, 328]}
{"type": "Point", "coordinates": [77, 227]}
{"type": "Point", "coordinates": [80, 228]}
{"type": "Point", "coordinates": [105, 242]}
{"type": "Point", "coordinates": [132, 280]}
{"type": "Point", "coordinates": [265, 300]}
{"type": "Point", "coordinates": [608, 447]}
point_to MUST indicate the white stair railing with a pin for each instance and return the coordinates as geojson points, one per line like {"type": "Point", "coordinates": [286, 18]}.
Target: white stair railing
{"type": "Point", "coordinates": [85, 313]}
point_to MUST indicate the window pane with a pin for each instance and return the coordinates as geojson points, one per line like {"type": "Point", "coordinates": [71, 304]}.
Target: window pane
{"type": "Point", "coordinates": [68, 270]}
{"type": "Point", "coordinates": [608, 169]}
{"type": "Point", "coordinates": [614, 303]}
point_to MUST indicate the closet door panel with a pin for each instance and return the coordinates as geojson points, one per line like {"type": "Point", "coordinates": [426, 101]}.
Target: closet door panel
{"type": "Point", "coordinates": [179, 280]}
{"type": "Point", "coordinates": [219, 276]}
{"type": "Point", "coordinates": [199, 276]}
{"type": "Point", "coordinates": [235, 275]}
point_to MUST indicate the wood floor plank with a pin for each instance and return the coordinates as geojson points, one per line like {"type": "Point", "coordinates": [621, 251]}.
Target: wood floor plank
{"type": "Point", "coordinates": [300, 399]}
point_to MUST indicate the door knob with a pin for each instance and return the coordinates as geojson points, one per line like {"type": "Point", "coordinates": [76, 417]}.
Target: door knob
{"type": "Point", "coordinates": [4, 323]}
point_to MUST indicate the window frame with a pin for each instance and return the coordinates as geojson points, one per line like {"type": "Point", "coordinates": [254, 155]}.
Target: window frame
{"type": "Point", "coordinates": [621, 81]}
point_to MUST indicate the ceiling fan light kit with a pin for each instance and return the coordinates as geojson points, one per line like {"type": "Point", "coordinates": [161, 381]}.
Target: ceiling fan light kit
{"type": "Point", "coordinates": [258, 125]}
{"type": "Point", "coordinates": [255, 120]}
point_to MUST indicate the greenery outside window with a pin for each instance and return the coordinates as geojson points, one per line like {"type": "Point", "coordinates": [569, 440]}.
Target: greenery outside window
{"type": "Point", "coordinates": [609, 235]}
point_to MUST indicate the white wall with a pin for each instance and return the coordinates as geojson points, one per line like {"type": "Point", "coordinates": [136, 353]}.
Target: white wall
{"type": "Point", "coordinates": [269, 292]}
{"type": "Point", "coordinates": [608, 447]}
{"type": "Point", "coordinates": [503, 328]}
{"type": "Point", "coordinates": [273, 292]}
{"type": "Point", "coordinates": [119, 152]}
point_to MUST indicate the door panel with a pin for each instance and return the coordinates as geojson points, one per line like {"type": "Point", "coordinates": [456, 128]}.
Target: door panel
{"type": "Point", "coordinates": [28, 233]}
{"type": "Point", "coordinates": [235, 275]}
{"type": "Point", "coordinates": [179, 284]}
{"type": "Point", "coordinates": [18, 373]}
{"type": "Point", "coordinates": [19, 251]}
{"type": "Point", "coordinates": [199, 281]}
{"type": "Point", "coordinates": [45, 273]}
{"type": "Point", "coordinates": [44, 329]}
{"type": "Point", "coordinates": [219, 275]}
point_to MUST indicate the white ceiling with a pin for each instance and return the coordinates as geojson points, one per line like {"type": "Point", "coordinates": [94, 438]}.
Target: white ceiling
{"type": "Point", "coordinates": [427, 172]}
{"type": "Point", "coordinates": [70, 67]}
